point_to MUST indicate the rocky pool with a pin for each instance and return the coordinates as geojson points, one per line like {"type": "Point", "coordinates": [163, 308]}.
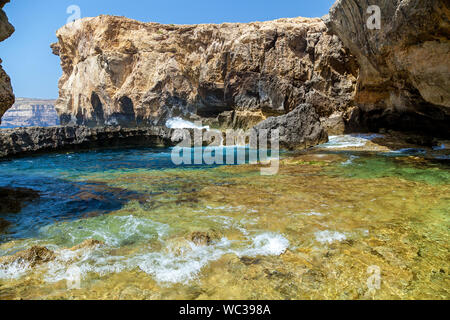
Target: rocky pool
{"type": "Point", "coordinates": [128, 224]}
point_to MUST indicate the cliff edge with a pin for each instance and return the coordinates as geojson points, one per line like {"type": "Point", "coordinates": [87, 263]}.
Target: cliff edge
{"type": "Point", "coordinates": [121, 71]}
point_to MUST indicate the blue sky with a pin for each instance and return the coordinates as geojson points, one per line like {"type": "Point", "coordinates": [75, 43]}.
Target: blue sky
{"type": "Point", "coordinates": [34, 71]}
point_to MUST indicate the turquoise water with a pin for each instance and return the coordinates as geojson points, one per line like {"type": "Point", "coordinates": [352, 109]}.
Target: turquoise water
{"type": "Point", "coordinates": [66, 197]}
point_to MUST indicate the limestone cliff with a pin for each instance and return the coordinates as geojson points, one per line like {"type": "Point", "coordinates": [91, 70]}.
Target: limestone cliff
{"type": "Point", "coordinates": [6, 92]}
{"type": "Point", "coordinates": [404, 79]}
{"type": "Point", "coordinates": [30, 113]}
{"type": "Point", "coordinates": [121, 71]}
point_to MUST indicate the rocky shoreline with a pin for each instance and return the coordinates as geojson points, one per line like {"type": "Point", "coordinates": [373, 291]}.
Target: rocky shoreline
{"type": "Point", "coordinates": [120, 73]}
{"type": "Point", "coordinates": [26, 141]}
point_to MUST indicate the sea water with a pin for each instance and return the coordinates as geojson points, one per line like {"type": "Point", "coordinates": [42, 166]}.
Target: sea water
{"type": "Point", "coordinates": [311, 231]}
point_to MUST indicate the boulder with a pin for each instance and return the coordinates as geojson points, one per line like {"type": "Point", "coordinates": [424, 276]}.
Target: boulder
{"type": "Point", "coordinates": [299, 129]}
{"type": "Point", "coordinates": [33, 257]}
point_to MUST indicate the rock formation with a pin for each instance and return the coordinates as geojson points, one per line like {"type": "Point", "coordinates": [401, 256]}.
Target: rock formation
{"type": "Point", "coordinates": [299, 129]}
{"type": "Point", "coordinates": [32, 257]}
{"type": "Point", "coordinates": [6, 92]}
{"type": "Point", "coordinates": [121, 71]}
{"type": "Point", "coordinates": [30, 113]}
{"type": "Point", "coordinates": [404, 79]}
{"type": "Point", "coordinates": [23, 141]}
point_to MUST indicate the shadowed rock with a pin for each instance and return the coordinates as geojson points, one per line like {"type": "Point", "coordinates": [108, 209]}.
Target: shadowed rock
{"type": "Point", "coordinates": [299, 129]}
{"type": "Point", "coordinates": [23, 141]}
{"type": "Point", "coordinates": [404, 78]}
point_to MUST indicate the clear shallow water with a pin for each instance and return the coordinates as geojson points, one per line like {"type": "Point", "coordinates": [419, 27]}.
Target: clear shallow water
{"type": "Point", "coordinates": [66, 194]}
{"type": "Point", "coordinates": [309, 232]}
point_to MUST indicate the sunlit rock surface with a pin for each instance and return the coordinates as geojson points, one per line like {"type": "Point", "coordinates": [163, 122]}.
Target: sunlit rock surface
{"type": "Point", "coordinates": [120, 71]}
{"type": "Point", "coordinates": [404, 78]}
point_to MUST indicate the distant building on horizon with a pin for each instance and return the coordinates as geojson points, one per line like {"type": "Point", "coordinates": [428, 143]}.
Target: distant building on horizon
{"type": "Point", "coordinates": [30, 113]}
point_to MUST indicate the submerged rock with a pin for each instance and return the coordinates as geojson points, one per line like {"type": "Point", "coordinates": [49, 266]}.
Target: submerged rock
{"type": "Point", "coordinates": [33, 257]}
{"type": "Point", "coordinates": [203, 238]}
{"type": "Point", "coordinates": [4, 224]}
{"type": "Point", "coordinates": [12, 200]}
{"type": "Point", "coordinates": [299, 129]}
{"type": "Point", "coordinates": [88, 244]}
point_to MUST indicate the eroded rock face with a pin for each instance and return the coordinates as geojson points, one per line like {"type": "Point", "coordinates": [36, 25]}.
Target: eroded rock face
{"type": "Point", "coordinates": [299, 129]}
{"type": "Point", "coordinates": [6, 92]}
{"type": "Point", "coordinates": [404, 79]}
{"type": "Point", "coordinates": [120, 71]}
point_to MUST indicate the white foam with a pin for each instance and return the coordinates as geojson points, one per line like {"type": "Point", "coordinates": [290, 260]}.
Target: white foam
{"type": "Point", "coordinates": [266, 244]}
{"type": "Point", "coordinates": [179, 123]}
{"type": "Point", "coordinates": [349, 141]}
{"type": "Point", "coordinates": [170, 267]}
{"type": "Point", "coordinates": [313, 214]}
{"type": "Point", "coordinates": [350, 160]}
{"type": "Point", "coordinates": [329, 236]}
{"type": "Point", "coordinates": [112, 230]}
{"type": "Point", "coordinates": [14, 270]}
{"type": "Point", "coordinates": [410, 151]}
{"type": "Point", "coordinates": [167, 266]}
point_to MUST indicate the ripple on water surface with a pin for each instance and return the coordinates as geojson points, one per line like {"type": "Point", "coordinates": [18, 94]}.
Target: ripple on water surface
{"type": "Point", "coordinates": [280, 237]}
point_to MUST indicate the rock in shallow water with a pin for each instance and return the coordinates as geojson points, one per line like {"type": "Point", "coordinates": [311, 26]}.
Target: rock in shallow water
{"type": "Point", "coordinates": [299, 129]}
{"type": "Point", "coordinates": [200, 238]}
{"type": "Point", "coordinates": [88, 244]}
{"type": "Point", "coordinates": [33, 257]}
